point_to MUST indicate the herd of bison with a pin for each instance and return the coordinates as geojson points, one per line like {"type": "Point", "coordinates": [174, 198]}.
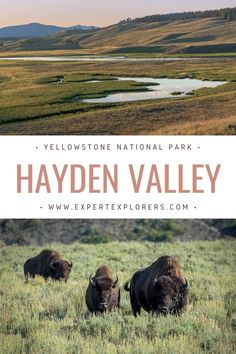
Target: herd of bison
{"type": "Point", "coordinates": [158, 289]}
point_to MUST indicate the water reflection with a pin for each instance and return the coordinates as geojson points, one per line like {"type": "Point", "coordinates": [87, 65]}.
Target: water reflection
{"type": "Point", "coordinates": [163, 88]}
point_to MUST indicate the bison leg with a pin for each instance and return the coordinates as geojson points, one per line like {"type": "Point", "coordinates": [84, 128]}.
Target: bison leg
{"type": "Point", "coordinates": [118, 304]}
{"type": "Point", "coordinates": [26, 277]}
{"type": "Point", "coordinates": [136, 308]}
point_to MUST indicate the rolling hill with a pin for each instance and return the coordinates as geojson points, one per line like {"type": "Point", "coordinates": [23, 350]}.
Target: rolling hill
{"type": "Point", "coordinates": [28, 30]}
{"type": "Point", "coordinates": [36, 30]}
{"type": "Point", "coordinates": [210, 35]}
{"type": "Point", "coordinates": [164, 37]}
{"type": "Point", "coordinates": [26, 232]}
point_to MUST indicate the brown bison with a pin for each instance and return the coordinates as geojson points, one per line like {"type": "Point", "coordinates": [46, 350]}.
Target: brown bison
{"type": "Point", "coordinates": [48, 263]}
{"type": "Point", "coordinates": [159, 288]}
{"type": "Point", "coordinates": [103, 293]}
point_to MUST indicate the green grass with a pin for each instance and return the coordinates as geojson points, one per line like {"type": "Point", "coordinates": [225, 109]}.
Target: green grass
{"type": "Point", "coordinates": [44, 97]}
{"type": "Point", "coordinates": [33, 102]}
{"type": "Point", "coordinates": [51, 317]}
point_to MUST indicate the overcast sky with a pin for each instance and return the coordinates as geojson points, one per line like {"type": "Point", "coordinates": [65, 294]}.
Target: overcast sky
{"type": "Point", "coordinates": [94, 12]}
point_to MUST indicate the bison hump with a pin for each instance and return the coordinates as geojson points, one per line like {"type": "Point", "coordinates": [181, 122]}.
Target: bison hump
{"type": "Point", "coordinates": [103, 271]}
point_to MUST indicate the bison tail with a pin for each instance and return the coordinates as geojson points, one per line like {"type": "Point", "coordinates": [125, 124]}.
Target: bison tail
{"type": "Point", "coordinates": [126, 286]}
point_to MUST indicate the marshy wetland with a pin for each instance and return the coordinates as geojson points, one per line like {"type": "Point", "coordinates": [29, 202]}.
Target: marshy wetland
{"type": "Point", "coordinates": [194, 96]}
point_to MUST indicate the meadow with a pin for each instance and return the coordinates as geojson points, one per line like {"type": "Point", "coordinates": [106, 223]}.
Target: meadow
{"type": "Point", "coordinates": [33, 101]}
{"type": "Point", "coordinates": [51, 317]}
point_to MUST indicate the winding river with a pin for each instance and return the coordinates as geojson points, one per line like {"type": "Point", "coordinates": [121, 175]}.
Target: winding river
{"type": "Point", "coordinates": [102, 58]}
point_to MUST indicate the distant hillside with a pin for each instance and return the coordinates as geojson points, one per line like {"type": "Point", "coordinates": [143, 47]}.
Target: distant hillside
{"type": "Point", "coordinates": [36, 30]}
{"type": "Point", "coordinates": [26, 232]}
{"type": "Point", "coordinates": [191, 36]}
{"type": "Point", "coordinates": [28, 30]}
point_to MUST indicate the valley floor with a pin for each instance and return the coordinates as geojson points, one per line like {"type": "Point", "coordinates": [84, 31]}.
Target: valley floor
{"type": "Point", "coordinates": [33, 101]}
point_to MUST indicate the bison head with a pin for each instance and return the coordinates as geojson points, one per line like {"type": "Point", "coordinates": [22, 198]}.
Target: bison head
{"type": "Point", "coordinates": [170, 295]}
{"type": "Point", "coordinates": [102, 291]}
{"type": "Point", "coordinates": [60, 270]}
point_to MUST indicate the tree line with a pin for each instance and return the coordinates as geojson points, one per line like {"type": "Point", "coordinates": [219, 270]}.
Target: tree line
{"type": "Point", "coordinates": [228, 14]}
{"type": "Point", "coordinates": [40, 231]}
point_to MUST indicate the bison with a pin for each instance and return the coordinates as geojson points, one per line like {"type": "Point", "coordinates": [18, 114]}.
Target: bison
{"type": "Point", "coordinates": [158, 289]}
{"type": "Point", "coordinates": [48, 263]}
{"type": "Point", "coordinates": [103, 293]}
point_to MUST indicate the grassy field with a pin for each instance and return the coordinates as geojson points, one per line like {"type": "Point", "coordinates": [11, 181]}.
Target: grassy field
{"type": "Point", "coordinates": [51, 317]}
{"type": "Point", "coordinates": [32, 101]}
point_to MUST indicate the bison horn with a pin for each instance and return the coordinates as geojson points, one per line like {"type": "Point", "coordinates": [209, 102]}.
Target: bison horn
{"type": "Point", "coordinates": [70, 264]}
{"type": "Point", "coordinates": [92, 281]}
{"type": "Point", "coordinates": [51, 264]}
{"type": "Point", "coordinates": [115, 282]}
{"type": "Point", "coordinates": [185, 286]}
